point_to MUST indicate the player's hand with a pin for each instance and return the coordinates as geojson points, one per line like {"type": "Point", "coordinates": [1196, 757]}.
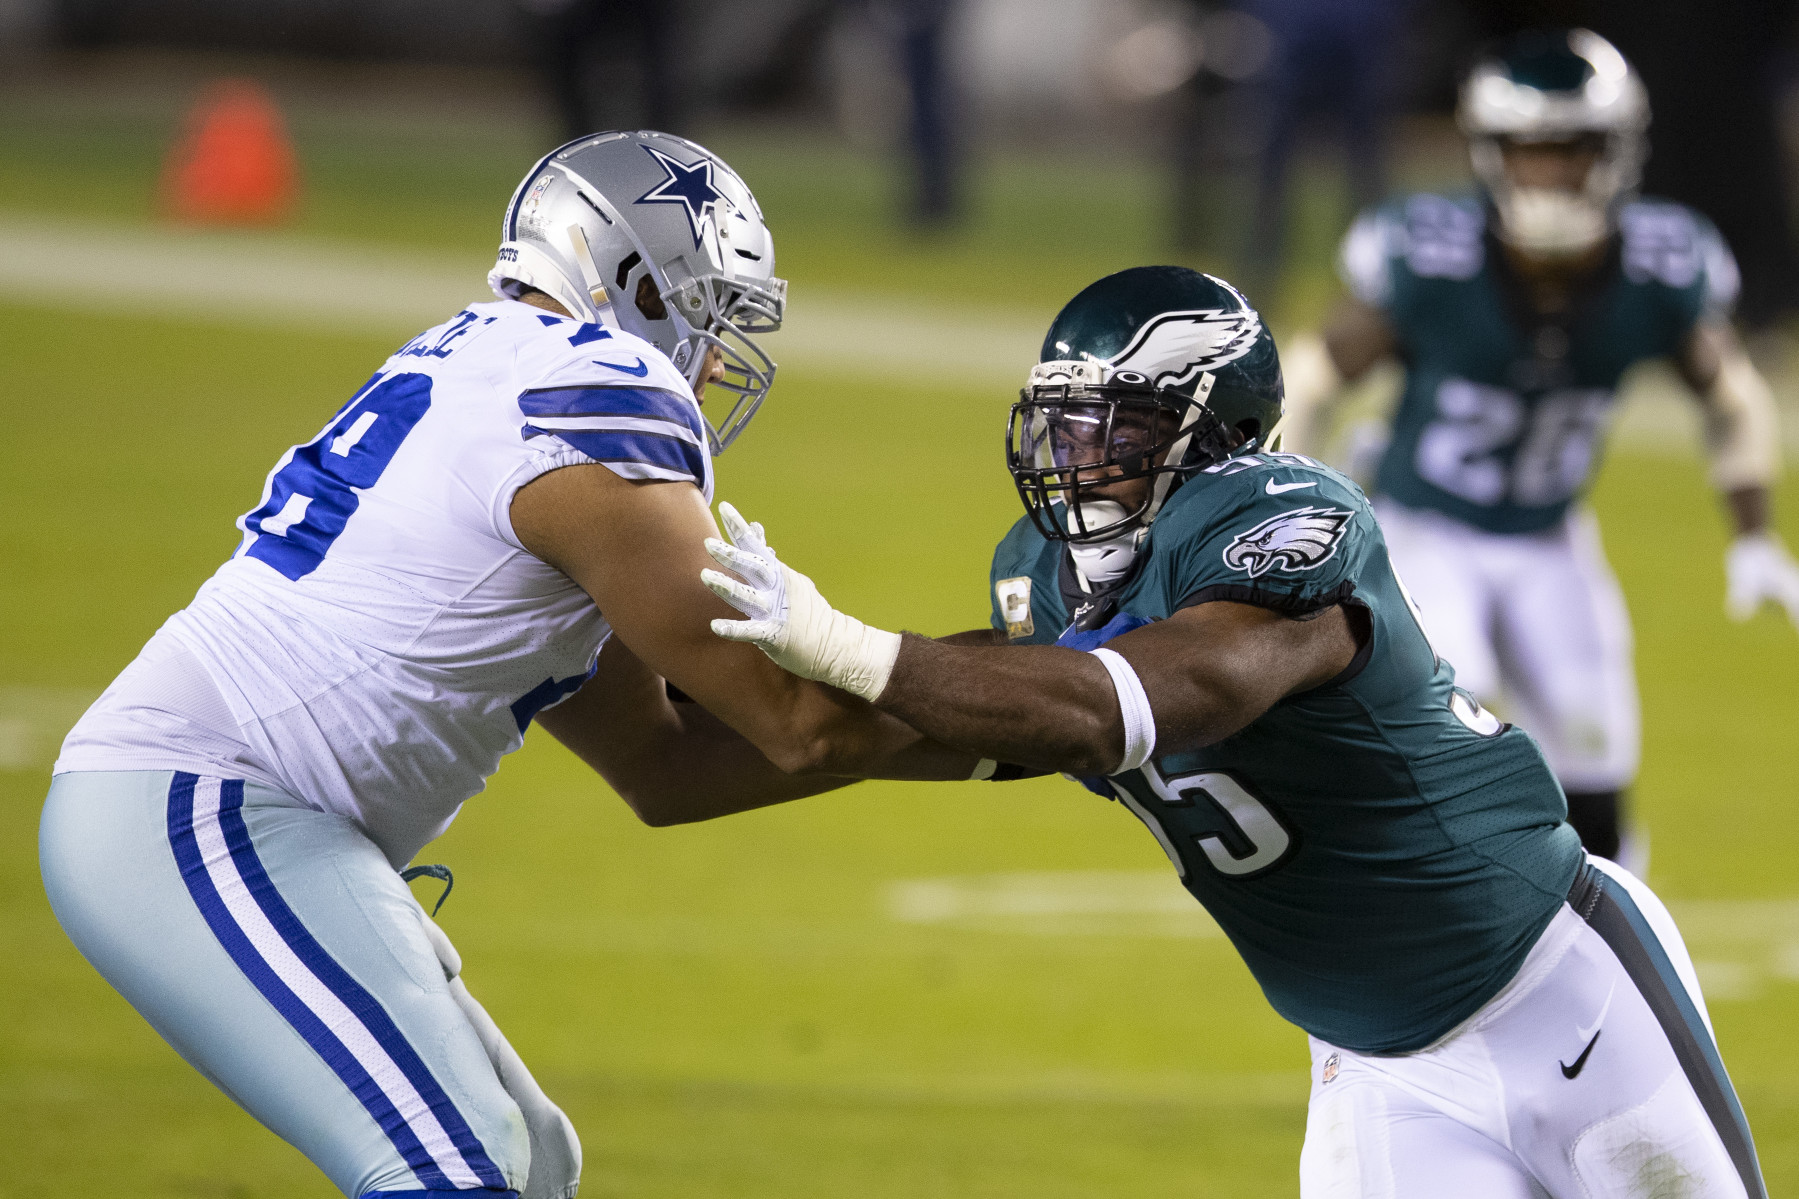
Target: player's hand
{"type": "Point", "coordinates": [1759, 569]}
{"type": "Point", "coordinates": [788, 619]}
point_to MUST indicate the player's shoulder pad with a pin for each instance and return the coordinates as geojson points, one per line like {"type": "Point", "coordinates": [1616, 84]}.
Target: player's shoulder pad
{"type": "Point", "coordinates": [611, 395]}
{"type": "Point", "coordinates": [1022, 550]}
{"type": "Point", "coordinates": [1022, 584]}
{"type": "Point", "coordinates": [1279, 530]}
{"type": "Point", "coordinates": [1668, 245]}
{"type": "Point", "coordinates": [1425, 235]}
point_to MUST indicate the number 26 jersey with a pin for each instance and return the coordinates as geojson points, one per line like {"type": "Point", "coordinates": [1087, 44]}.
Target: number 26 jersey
{"type": "Point", "coordinates": [381, 638]}
{"type": "Point", "coordinates": [1504, 410]}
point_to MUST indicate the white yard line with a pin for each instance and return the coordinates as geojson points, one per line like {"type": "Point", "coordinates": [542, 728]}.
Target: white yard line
{"type": "Point", "coordinates": [272, 279]}
{"type": "Point", "coordinates": [278, 280]}
{"type": "Point", "coordinates": [1739, 946]}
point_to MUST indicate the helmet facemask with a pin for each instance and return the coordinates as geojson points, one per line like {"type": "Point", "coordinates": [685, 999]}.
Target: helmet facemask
{"type": "Point", "coordinates": [1558, 222]}
{"type": "Point", "coordinates": [717, 314]}
{"type": "Point", "coordinates": [1068, 441]}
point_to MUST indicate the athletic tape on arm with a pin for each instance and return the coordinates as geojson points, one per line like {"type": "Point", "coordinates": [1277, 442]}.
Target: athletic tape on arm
{"type": "Point", "coordinates": [1139, 721]}
{"type": "Point", "coordinates": [1742, 426]}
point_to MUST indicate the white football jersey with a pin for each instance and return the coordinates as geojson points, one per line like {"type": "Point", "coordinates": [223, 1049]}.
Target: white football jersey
{"type": "Point", "coordinates": [380, 639]}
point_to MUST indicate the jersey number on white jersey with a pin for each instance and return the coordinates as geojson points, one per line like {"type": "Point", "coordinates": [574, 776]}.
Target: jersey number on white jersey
{"type": "Point", "coordinates": [313, 494]}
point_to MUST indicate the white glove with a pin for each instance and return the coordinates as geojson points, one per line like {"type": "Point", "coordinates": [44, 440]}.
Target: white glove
{"type": "Point", "coordinates": [789, 620]}
{"type": "Point", "coordinates": [1757, 569]}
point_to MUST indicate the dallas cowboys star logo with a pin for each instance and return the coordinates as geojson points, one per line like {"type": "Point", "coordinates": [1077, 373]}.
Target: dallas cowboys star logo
{"type": "Point", "coordinates": [689, 186]}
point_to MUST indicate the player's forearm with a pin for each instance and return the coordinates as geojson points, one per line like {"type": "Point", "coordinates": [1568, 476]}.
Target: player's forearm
{"type": "Point", "coordinates": [673, 763]}
{"type": "Point", "coordinates": [1036, 706]}
{"type": "Point", "coordinates": [701, 770]}
{"type": "Point", "coordinates": [830, 732]}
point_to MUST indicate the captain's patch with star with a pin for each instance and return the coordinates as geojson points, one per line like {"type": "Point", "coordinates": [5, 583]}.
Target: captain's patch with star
{"type": "Point", "coordinates": [1300, 539]}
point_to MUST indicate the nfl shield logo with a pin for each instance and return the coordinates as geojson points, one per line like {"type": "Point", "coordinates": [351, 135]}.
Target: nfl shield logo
{"type": "Point", "coordinates": [1331, 1065]}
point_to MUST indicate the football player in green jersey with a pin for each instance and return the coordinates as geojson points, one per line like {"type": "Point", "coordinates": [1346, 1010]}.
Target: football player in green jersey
{"type": "Point", "coordinates": [1514, 311]}
{"type": "Point", "coordinates": [1210, 632]}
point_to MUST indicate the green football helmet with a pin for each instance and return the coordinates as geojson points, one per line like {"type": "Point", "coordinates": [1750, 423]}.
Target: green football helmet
{"type": "Point", "coordinates": [1564, 86]}
{"type": "Point", "coordinates": [1157, 371]}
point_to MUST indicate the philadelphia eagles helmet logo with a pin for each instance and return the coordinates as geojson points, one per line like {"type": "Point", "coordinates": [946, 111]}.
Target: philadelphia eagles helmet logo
{"type": "Point", "coordinates": [1301, 539]}
{"type": "Point", "coordinates": [1176, 347]}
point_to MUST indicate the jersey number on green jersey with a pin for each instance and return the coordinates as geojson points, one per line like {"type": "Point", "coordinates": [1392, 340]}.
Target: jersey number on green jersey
{"type": "Point", "coordinates": [1489, 444]}
{"type": "Point", "coordinates": [1252, 841]}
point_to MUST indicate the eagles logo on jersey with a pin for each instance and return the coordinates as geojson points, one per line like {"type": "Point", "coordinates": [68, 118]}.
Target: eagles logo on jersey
{"type": "Point", "coordinates": [1157, 371]}
{"type": "Point", "coordinates": [1302, 539]}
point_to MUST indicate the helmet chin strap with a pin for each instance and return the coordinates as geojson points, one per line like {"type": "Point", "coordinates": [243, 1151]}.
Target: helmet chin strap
{"type": "Point", "coordinates": [1551, 222]}
{"type": "Point", "coordinates": [1165, 481]}
{"type": "Point", "coordinates": [1098, 564]}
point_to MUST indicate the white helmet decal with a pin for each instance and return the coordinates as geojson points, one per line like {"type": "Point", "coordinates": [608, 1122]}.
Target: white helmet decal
{"type": "Point", "coordinates": [1298, 540]}
{"type": "Point", "coordinates": [1176, 347]}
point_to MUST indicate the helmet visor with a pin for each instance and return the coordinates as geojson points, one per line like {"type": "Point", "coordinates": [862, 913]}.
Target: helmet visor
{"type": "Point", "coordinates": [1070, 443]}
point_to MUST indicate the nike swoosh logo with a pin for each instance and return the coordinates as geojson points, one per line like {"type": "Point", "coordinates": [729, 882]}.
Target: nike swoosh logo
{"type": "Point", "coordinates": [1591, 1035]}
{"type": "Point", "coordinates": [640, 370]}
{"type": "Point", "coordinates": [1274, 488]}
{"type": "Point", "coordinates": [1581, 1061]}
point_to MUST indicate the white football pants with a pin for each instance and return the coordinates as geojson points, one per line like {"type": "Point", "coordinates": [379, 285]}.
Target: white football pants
{"type": "Point", "coordinates": [1592, 1075]}
{"type": "Point", "coordinates": [1535, 625]}
{"type": "Point", "coordinates": [277, 951]}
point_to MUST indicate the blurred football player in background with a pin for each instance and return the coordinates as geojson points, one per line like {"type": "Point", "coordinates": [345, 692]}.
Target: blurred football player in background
{"type": "Point", "coordinates": [448, 560]}
{"type": "Point", "coordinates": [1216, 630]}
{"type": "Point", "coordinates": [1514, 313]}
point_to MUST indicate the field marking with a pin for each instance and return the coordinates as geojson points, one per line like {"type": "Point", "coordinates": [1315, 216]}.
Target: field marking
{"type": "Point", "coordinates": [1738, 945]}
{"type": "Point", "coordinates": [283, 281]}
{"type": "Point", "coordinates": [1141, 903]}
{"type": "Point", "coordinates": [289, 282]}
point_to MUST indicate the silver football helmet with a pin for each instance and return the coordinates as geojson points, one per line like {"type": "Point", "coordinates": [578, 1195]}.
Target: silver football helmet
{"type": "Point", "coordinates": [1556, 86]}
{"type": "Point", "coordinates": [649, 233]}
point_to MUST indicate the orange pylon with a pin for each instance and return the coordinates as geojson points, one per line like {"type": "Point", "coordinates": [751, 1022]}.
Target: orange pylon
{"type": "Point", "coordinates": [234, 164]}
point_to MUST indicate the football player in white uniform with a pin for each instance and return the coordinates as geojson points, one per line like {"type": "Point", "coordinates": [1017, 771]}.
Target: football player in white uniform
{"type": "Point", "coordinates": [1515, 311]}
{"type": "Point", "coordinates": [448, 560]}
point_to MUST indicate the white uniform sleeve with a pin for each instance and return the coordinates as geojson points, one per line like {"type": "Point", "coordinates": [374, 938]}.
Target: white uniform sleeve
{"type": "Point", "coordinates": [617, 402]}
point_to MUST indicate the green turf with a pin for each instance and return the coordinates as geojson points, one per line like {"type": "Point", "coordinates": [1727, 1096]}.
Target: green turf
{"type": "Point", "coordinates": [729, 1009]}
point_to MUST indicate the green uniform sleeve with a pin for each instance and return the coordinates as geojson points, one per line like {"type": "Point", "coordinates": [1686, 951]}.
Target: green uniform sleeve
{"type": "Point", "coordinates": [1276, 530]}
{"type": "Point", "coordinates": [1679, 255]}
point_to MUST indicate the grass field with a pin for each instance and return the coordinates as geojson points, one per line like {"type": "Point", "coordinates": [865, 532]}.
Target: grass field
{"type": "Point", "coordinates": [952, 991]}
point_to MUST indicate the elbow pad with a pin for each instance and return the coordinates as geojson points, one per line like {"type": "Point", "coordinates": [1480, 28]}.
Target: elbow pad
{"type": "Point", "coordinates": [1312, 382]}
{"type": "Point", "coordinates": [1742, 426]}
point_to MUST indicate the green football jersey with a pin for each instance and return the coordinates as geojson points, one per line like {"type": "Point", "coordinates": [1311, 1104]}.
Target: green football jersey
{"type": "Point", "coordinates": [1504, 412]}
{"type": "Point", "coordinates": [1382, 852]}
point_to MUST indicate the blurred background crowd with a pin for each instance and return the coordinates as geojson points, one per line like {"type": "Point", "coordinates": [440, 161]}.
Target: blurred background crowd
{"type": "Point", "coordinates": [1220, 106]}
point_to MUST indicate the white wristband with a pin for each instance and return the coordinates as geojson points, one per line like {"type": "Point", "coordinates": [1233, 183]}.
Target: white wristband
{"type": "Point", "coordinates": [1139, 721]}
